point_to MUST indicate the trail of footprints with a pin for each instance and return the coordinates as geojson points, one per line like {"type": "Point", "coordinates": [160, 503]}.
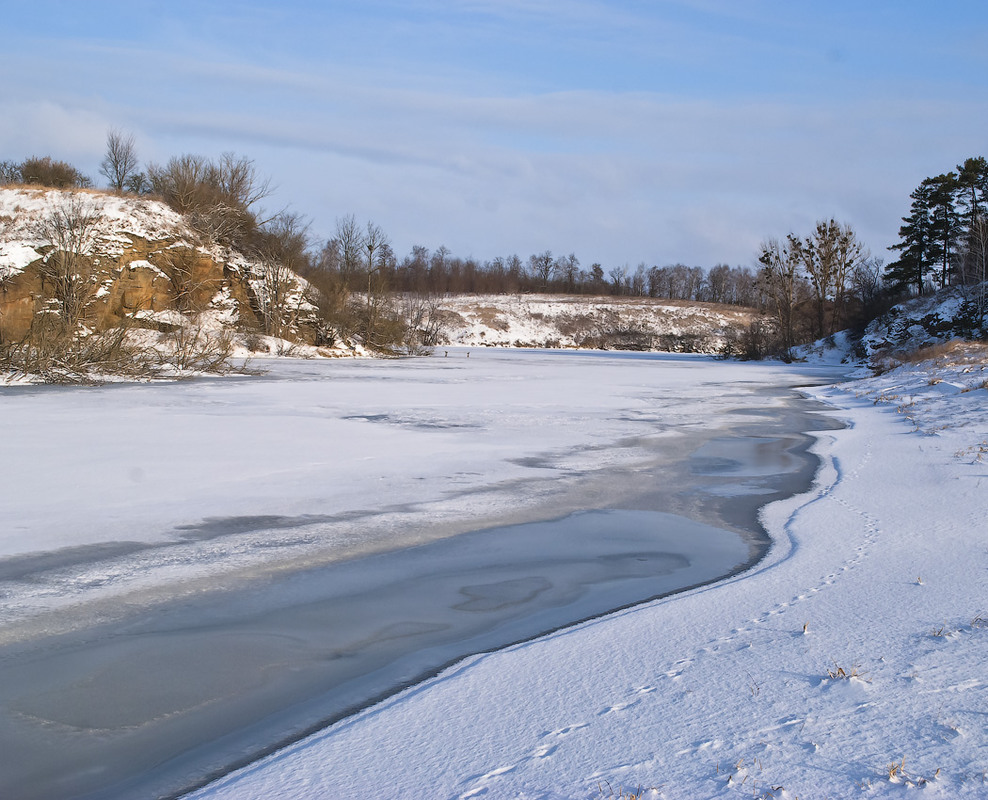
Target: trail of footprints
{"type": "Point", "coordinates": [872, 531]}
{"type": "Point", "coordinates": [548, 744]}
{"type": "Point", "coordinates": [550, 741]}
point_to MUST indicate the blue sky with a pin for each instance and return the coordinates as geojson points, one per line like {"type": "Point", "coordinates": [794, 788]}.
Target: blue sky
{"type": "Point", "coordinates": [664, 131]}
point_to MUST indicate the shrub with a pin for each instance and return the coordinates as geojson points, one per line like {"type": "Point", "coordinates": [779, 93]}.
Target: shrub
{"type": "Point", "coordinates": [48, 172]}
{"type": "Point", "coordinates": [59, 355]}
{"type": "Point", "coordinates": [10, 172]}
{"type": "Point", "coordinates": [216, 197]}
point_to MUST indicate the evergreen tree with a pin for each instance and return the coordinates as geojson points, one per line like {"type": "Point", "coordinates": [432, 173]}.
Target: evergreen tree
{"type": "Point", "coordinates": [972, 191]}
{"type": "Point", "coordinates": [917, 257]}
{"type": "Point", "coordinates": [946, 224]}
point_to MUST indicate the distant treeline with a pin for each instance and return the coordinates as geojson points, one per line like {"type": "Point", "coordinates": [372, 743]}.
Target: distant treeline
{"type": "Point", "coordinates": [439, 272]}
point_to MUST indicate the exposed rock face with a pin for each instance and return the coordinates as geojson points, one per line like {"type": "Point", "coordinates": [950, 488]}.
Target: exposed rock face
{"type": "Point", "coordinates": [140, 261]}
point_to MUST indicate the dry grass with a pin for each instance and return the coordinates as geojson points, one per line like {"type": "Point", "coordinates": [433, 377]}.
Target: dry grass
{"type": "Point", "coordinates": [956, 351]}
{"type": "Point", "coordinates": [608, 793]}
{"type": "Point", "coordinates": [489, 316]}
{"type": "Point", "coordinates": [39, 189]}
{"type": "Point", "coordinates": [896, 770]}
{"type": "Point", "coordinates": [837, 672]}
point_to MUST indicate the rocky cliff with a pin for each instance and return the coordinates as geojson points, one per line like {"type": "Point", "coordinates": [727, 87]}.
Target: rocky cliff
{"type": "Point", "coordinates": [139, 261]}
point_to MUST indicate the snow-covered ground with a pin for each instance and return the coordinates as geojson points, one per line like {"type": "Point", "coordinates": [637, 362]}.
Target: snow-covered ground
{"type": "Point", "coordinates": [126, 507]}
{"type": "Point", "coordinates": [849, 663]}
{"type": "Point", "coordinates": [614, 323]}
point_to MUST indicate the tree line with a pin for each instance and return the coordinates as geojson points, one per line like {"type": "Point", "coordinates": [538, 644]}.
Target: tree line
{"type": "Point", "coordinates": [440, 272]}
{"type": "Point", "coordinates": [819, 283]}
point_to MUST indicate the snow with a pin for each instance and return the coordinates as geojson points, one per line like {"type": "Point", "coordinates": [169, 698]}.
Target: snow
{"type": "Point", "coordinates": [145, 264]}
{"type": "Point", "coordinates": [570, 321]}
{"type": "Point", "coordinates": [15, 256]}
{"type": "Point", "coordinates": [451, 439]}
{"type": "Point", "coordinates": [121, 219]}
{"type": "Point", "coordinates": [849, 662]}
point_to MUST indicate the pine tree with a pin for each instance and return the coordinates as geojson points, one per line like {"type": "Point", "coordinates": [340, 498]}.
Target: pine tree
{"type": "Point", "coordinates": [972, 192]}
{"type": "Point", "coordinates": [917, 257]}
{"type": "Point", "coordinates": [946, 224]}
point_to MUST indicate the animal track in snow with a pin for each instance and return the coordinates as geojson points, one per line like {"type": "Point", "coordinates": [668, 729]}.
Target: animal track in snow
{"type": "Point", "coordinates": [617, 707]}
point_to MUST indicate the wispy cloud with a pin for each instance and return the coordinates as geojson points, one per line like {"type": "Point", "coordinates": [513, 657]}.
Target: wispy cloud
{"type": "Point", "coordinates": [625, 131]}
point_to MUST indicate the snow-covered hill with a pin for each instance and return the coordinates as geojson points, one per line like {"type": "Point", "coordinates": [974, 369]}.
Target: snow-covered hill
{"type": "Point", "coordinates": [612, 323]}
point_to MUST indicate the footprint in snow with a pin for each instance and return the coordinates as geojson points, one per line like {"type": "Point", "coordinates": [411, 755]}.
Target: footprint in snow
{"type": "Point", "coordinates": [618, 707]}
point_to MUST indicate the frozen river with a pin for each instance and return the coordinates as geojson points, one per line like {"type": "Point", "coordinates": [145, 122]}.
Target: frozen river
{"type": "Point", "coordinates": [194, 573]}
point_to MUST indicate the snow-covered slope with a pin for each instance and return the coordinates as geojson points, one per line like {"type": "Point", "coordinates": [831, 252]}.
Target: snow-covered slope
{"type": "Point", "coordinates": [140, 256]}
{"type": "Point", "coordinates": [955, 312]}
{"type": "Point", "coordinates": [614, 323]}
{"type": "Point", "coordinates": [912, 331]}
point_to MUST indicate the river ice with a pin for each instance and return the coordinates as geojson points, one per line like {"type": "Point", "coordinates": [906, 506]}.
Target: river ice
{"type": "Point", "coordinates": [167, 547]}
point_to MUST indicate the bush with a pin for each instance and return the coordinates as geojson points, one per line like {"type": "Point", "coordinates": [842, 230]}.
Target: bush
{"type": "Point", "coordinates": [59, 355]}
{"type": "Point", "coordinates": [216, 197]}
{"type": "Point", "coordinates": [10, 173]}
{"type": "Point", "coordinates": [48, 172]}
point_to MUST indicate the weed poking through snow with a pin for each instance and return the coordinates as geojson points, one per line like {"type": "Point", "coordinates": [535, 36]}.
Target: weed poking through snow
{"type": "Point", "coordinates": [837, 672]}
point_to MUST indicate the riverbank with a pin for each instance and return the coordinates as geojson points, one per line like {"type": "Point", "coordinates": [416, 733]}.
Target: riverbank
{"type": "Point", "coordinates": [122, 654]}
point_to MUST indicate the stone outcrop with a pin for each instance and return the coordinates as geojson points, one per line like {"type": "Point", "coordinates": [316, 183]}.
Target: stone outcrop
{"type": "Point", "coordinates": [142, 264]}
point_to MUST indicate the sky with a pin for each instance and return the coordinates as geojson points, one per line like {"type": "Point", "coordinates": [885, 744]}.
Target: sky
{"type": "Point", "coordinates": [623, 132]}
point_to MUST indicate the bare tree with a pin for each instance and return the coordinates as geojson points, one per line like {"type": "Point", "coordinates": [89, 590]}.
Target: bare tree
{"type": "Point", "coordinates": [350, 245]}
{"type": "Point", "coordinates": [280, 296]}
{"type": "Point", "coordinates": [218, 198]}
{"type": "Point", "coordinates": [639, 280]}
{"type": "Point", "coordinates": [191, 280]}
{"type": "Point", "coordinates": [978, 258]}
{"type": "Point", "coordinates": [424, 320]}
{"type": "Point", "coordinates": [542, 265]}
{"type": "Point", "coordinates": [10, 172]}
{"type": "Point", "coordinates": [120, 164]}
{"type": "Point", "coordinates": [868, 287]}
{"type": "Point", "coordinates": [830, 255]}
{"type": "Point", "coordinates": [6, 275]}
{"type": "Point", "coordinates": [180, 181]}
{"type": "Point", "coordinates": [237, 178]}
{"type": "Point", "coordinates": [619, 279]}
{"type": "Point", "coordinates": [69, 232]}
{"type": "Point", "coordinates": [779, 280]}
{"type": "Point", "coordinates": [569, 268]}
{"type": "Point", "coordinates": [378, 248]}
